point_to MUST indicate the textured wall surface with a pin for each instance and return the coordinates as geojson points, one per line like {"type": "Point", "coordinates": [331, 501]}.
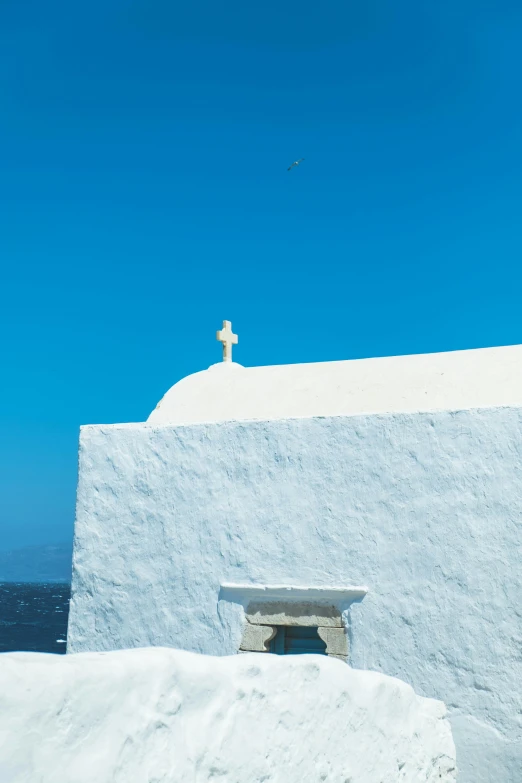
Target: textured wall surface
{"type": "Point", "coordinates": [164, 716]}
{"type": "Point", "coordinates": [424, 509]}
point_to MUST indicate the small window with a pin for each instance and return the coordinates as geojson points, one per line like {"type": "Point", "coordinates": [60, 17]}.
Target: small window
{"type": "Point", "coordinates": [297, 640]}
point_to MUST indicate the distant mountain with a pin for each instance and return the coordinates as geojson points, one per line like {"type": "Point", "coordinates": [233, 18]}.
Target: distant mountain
{"type": "Point", "coordinates": [48, 563]}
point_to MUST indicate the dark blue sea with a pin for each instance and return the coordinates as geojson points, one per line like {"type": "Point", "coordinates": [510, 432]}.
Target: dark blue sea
{"type": "Point", "coordinates": [33, 617]}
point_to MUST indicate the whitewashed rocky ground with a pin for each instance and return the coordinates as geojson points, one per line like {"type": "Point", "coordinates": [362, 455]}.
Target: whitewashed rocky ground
{"type": "Point", "coordinates": [156, 715]}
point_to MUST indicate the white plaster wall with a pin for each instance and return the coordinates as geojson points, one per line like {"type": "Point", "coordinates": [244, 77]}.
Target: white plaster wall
{"type": "Point", "coordinates": [164, 716]}
{"type": "Point", "coordinates": [425, 509]}
{"type": "Point", "coordinates": [438, 381]}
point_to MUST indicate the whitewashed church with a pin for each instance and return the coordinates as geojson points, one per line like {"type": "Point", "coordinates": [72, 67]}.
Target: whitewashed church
{"type": "Point", "coordinates": [369, 510]}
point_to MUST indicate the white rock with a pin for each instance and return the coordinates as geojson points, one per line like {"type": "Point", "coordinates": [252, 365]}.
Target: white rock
{"type": "Point", "coordinates": [162, 715]}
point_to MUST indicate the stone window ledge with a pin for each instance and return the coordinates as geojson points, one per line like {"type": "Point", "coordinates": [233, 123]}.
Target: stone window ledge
{"type": "Point", "coordinates": [338, 596]}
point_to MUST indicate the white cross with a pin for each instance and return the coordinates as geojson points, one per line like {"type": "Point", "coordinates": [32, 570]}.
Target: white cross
{"type": "Point", "coordinates": [228, 338]}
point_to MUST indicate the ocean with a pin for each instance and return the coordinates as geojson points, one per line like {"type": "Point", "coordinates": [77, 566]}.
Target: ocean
{"type": "Point", "coordinates": [33, 617]}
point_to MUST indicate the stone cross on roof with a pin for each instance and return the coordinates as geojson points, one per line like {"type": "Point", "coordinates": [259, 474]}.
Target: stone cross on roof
{"type": "Point", "coordinates": [228, 338]}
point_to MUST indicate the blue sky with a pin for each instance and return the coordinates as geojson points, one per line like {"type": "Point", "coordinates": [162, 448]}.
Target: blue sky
{"type": "Point", "coordinates": [144, 197]}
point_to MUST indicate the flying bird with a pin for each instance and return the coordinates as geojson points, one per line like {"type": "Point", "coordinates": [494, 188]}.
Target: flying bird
{"type": "Point", "coordinates": [295, 163]}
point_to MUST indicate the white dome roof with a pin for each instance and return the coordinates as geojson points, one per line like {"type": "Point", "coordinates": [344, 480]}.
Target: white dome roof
{"type": "Point", "coordinates": [442, 381]}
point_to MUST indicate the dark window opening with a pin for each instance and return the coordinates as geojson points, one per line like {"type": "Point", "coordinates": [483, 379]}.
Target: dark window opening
{"type": "Point", "coordinates": [297, 640]}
